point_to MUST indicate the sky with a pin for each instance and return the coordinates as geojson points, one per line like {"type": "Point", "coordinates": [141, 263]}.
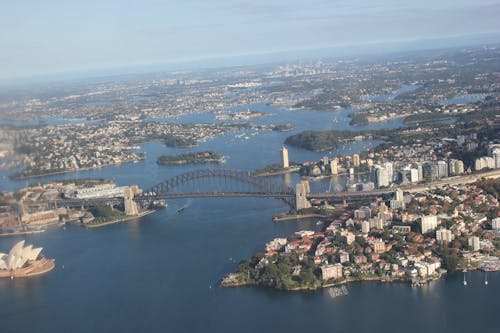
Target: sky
{"type": "Point", "coordinates": [56, 36]}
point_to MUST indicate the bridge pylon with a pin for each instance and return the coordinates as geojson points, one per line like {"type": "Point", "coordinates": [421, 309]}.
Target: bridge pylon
{"type": "Point", "coordinates": [302, 189]}
{"type": "Point", "coordinates": [131, 207]}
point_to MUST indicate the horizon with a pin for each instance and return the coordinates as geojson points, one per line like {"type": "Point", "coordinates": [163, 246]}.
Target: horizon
{"type": "Point", "coordinates": [55, 37]}
{"type": "Point", "coordinates": [260, 59]}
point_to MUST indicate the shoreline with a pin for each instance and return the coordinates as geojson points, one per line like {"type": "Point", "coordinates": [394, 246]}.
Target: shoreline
{"type": "Point", "coordinates": [20, 233]}
{"type": "Point", "coordinates": [55, 173]}
{"type": "Point", "coordinates": [103, 224]}
{"type": "Point", "coordinates": [38, 267]}
{"type": "Point", "coordinates": [184, 162]}
{"type": "Point", "coordinates": [345, 281]}
{"type": "Point", "coordinates": [297, 217]}
{"type": "Point", "coordinates": [275, 173]}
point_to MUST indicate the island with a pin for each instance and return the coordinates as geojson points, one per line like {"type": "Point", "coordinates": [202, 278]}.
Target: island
{"type": "Point", "coordinates": [202, 157]}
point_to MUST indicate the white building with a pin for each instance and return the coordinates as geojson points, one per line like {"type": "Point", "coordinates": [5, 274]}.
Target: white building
{"type": "Point", "coordinates": [455, 167]}
{"type": "Point", "coordinates": [334, 166]}
{"type": "Point", "coordinates": [365, 227]}
{"type": "Point", "coordinates": [284, 157]}
{"type": "Point", "coordinates": [414, 175]}
{"type": "Point", "coordinates": [383, 175]}
{"type": "Point", "coordinates": [444, 235]}
{"type": "Point", "coordinates": [100, 191]}
{"type": "Point", "coordinates": [495, 153]}
{"type": "Point", "coordinates": [495, 224]}
{"type": "Point", "coordinates": [18, 256]}
{"type": "Point", "coordinates": [428, 223]}
{"type": "Point", "coordinates": [355, 160]}
{"type": "Point", "coordinates": [484, 163]}
{"type": "Point", "coordinates": [331, 271]}
{"type": "Point", "coordinates": [474, 244]}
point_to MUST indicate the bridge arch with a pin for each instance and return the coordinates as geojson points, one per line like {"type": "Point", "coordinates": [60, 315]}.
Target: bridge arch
{"type": "Point", "coordinates": [265, 187]}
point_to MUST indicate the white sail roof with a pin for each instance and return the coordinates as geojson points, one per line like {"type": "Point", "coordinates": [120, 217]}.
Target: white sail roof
{"type": "Point", "coordinates": [18, 256]}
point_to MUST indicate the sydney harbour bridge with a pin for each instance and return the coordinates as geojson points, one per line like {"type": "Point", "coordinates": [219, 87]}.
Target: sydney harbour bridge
{"type": "Point", "coordinates": [214, 183]}
{"type": "Point", "coordinates": [210, 183]}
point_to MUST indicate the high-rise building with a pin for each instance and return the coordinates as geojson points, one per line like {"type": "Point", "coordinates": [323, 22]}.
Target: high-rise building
{"type": "Point", "coordinates": [284, 157]}
{"type": "Point", "coordinates": [442, 169]}
{"type": "Point", "coordinates": [334, 167]}
{"type": "Point", "coordinates": [414, 178]}
{"type": "Point", "coordinates": [431, 171]}
{"type": "Point", "coordinates": [365, 227]}
{"type": "Point", "coordinates": [428, 223]}
{"type": "Point", "coordinates": [325, 160]}
{"type": "Point", "coordinates": [455, 167]}
{"type": "Point", "coordinates": [444, 236]}
{"type": "Point", "coordinates": [484, 162]}
{"type": "Point", "coordinates": [383, 175]}
{"type": "Point", "coordinates": [390, 171]}
{"type": "Point", "coordinates": [496, 156]}
{"type": "Point", "coordinates": [355, 160]}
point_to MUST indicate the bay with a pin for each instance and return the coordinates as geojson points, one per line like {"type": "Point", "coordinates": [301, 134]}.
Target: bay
{"type": "Point", "coordinates": [161, 273]}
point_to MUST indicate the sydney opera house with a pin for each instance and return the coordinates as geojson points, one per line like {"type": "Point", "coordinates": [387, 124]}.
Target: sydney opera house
{"type": "Point", "coordinates": [24, 261]}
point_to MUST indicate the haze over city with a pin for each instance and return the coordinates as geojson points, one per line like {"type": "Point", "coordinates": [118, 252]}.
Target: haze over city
{"type": "Point", "coordinates": [46, 37]}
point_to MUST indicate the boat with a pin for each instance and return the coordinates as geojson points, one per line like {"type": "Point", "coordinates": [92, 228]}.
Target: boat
{"type": "Point", "coordinates": [181, 209]}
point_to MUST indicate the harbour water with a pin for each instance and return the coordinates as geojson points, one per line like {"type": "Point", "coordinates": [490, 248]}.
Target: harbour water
{"type": "Point", "coordinates": [161, 273]}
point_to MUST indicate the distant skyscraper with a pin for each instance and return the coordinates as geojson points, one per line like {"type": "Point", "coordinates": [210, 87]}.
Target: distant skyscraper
{"type": "Point", "coordinates": [284, 157]}
{"type": "Point", "coordinates": [334, 167]}
{"type": "Point", "coordinates": [355, 160]}
{"type": "Point", "coordinates": [325, 160]}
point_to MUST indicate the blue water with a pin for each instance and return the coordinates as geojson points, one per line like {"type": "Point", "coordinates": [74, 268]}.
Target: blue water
{"type": "Point", "coordinates": [389, 97]}
{"type": "Point", "coordinates": [161, 273]}
{"type": "Point", "coordinates": [464, 99]}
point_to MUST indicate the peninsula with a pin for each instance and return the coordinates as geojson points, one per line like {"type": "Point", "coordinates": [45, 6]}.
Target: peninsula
{"type": "Point", "coordinates": [416, 238]}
